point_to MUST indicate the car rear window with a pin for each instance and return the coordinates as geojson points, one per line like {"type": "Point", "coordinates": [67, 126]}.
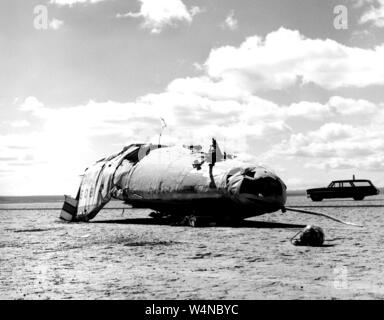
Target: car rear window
{"type": "Point", "coordinates": [361, 183]}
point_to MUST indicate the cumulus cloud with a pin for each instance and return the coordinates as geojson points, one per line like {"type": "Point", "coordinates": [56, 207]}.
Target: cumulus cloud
{"type": "Point", "coordinates": [69, 139]}
{"type": "Point", "coordinates": [251, 104]}
{"type": "Point", "coordinates": [245, 124]}
{"type": "Point", "coordinates": [375, 13]}
{"type": "Point", "coordinates": [31, 104]}
{"type": "Point", "coordinates": [285, 58]}
{"type": "Point", "coordinates": [335, 107]}
{"type": "Point", "coordinates": [159, 14]}
{"type": "Point", "coordinates": [337, 146]}
{"type": "Point", "coordinates": [230, 22]}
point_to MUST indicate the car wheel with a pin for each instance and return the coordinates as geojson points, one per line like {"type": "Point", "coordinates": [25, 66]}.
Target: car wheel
{"type": "Point", "coordinates": [358, 198]}
{"type": "Point", "coordinates": [314, 198]}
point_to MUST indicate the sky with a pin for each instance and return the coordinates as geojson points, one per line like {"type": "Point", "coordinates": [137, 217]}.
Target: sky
{"type": "Point", "coordinates": [296, 85]}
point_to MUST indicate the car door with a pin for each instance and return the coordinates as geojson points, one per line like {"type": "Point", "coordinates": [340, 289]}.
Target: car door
{"type": "Point", "coordinates": [333, 190]}
{"type": "Point", "coordinates": [346, 189]}
{"type": "Point", "coordinates": [338, 191]}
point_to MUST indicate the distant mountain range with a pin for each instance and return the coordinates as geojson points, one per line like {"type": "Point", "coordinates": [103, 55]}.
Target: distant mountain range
{"type": "Point", "coordinates": [30, 199]}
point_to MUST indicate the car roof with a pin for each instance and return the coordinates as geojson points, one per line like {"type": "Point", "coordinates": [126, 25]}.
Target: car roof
{"type": "Point", "coordinates": [356, 180]}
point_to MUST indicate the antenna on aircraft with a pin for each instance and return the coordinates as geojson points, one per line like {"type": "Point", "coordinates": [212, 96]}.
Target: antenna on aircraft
{"type": "Point", "coordinates": [163, 126]}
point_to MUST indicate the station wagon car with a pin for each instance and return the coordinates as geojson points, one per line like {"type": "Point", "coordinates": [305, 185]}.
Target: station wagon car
{"type": "Point", "coordinates": [356, 189]}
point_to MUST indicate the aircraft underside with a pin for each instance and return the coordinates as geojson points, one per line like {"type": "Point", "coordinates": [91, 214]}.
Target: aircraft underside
{"type": "Point", "coordinates": [217, 208]}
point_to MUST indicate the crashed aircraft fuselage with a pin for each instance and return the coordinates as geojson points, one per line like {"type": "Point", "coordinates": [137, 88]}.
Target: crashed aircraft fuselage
{"type": "Point", "coordinates": [178, 181]}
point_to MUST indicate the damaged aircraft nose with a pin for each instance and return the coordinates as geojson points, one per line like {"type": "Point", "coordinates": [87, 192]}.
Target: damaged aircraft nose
{"type": "Point", "coordinates": [263, 187]}
{"type": "Point", "coordinates": [259, 188]}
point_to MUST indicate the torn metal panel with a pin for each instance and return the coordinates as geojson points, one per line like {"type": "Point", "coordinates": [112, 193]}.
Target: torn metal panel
{"type": "Point", "coordinates": [97, 183]}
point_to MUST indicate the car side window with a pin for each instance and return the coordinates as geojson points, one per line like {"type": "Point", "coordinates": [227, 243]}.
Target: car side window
{"type": "Point", "coordinates": [333, 185]}
{"type": "Point", "coordinates": [361, 184]}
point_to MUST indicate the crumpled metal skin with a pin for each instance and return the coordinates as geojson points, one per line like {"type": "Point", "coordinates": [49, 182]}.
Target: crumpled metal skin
{"type": "Point", "coordinates": [178, 181]}
{"type": "Point", "coordinates": [97, 183]}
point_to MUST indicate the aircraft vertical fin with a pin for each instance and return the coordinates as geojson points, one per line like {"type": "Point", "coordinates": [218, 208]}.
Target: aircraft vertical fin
{"type": "Point", "coordinates": [69, 210]}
